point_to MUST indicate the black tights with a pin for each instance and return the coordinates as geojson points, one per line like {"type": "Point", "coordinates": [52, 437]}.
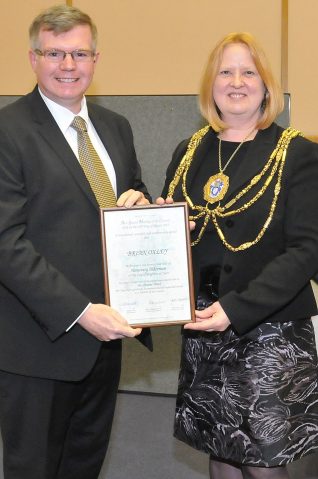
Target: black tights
{"type": "Point", "coordinates": [222, 470]}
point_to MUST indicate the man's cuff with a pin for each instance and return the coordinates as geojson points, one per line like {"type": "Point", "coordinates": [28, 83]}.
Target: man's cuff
{"type": "Point", "coordinates": [74, 322]}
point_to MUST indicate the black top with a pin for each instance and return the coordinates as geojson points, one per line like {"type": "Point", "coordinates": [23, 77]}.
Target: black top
{"type": "Point", "coordinates": [268, 281]}
{"type": "Point", "coordinates": [210, 249]}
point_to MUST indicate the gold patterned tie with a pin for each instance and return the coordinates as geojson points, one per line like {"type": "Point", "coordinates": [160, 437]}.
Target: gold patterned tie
{"type": "Point", "coordinates": [93, 166]}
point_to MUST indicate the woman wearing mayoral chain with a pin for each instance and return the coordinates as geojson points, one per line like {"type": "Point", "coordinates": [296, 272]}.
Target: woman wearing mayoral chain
{"type": "Point", "coordinates": [248, 393]}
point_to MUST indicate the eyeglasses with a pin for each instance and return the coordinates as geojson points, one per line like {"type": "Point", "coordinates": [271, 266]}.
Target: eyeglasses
{"type": "Point", "coordinates": [57, 56]}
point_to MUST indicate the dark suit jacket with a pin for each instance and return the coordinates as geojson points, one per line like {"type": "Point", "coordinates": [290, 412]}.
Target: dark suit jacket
{"type": "Point", "coordinates": [50, 248]}
{"type": "Point", "coordinates": [271, 280]}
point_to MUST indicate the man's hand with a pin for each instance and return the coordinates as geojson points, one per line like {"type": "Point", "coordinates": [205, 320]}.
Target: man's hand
{"type": "Point", "coordinates": [105, 323]}
{"type": "Point", "coordinates": [212, 318]}
{"type": "Point", "coordinates": [132, 197]}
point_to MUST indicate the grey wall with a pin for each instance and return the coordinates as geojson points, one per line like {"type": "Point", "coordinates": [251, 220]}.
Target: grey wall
{"type": "Point", "coordinates": [159, 123]}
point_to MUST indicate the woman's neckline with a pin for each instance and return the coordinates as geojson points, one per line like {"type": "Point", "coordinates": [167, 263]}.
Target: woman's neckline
{"type": "Point", "coordinates": [237, 136]}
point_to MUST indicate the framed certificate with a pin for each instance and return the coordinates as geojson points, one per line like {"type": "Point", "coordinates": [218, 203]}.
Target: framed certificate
{"type": "Point", "coordinates": [147, 264]}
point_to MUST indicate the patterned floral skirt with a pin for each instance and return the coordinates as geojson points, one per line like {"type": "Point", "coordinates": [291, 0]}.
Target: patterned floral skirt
{"type": "Point", "coordinates": [250, 400]}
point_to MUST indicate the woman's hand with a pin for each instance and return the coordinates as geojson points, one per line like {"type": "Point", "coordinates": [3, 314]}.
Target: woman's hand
{"type": "Point", "coordinates": [212, 318]}
{"type": "Point", "coordinates": [169, 201]}
{"type": "Point", "coordinates": [161, 201]}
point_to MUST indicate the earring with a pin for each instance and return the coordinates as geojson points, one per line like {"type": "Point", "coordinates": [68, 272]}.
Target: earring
{"type": "Point", "coordinates": [264, 102]}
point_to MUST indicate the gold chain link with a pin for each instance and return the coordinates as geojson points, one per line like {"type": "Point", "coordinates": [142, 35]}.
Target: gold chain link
{"type": "Point", "coordinates": [275, 164]}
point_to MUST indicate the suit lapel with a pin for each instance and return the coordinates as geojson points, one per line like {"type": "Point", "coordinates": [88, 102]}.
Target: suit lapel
{"type": "Point", "coordinates": [50, 132]}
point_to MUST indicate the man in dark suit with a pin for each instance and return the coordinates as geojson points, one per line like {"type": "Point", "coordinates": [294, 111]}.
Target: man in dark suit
{"type": "Point", "coordinates": [60, 347]}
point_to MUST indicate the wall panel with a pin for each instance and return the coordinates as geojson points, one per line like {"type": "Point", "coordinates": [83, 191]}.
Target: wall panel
{"type": "Point", "coordinates": [148, 47]}
{"type": "Point", "coordinates": [16, 15]}
{"type": "Point", "coordinates": [160, 48]}
{"type": "Point", "coordinates": [303, 64]}
{"type": "Point", "coordinates": [152, 48]}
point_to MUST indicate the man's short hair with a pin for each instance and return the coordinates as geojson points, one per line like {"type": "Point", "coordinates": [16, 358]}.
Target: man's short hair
{"type": "Point", "coordinates": [59, 19]}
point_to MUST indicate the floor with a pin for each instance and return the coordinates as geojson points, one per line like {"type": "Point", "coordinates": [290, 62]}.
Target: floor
{"type": "Point", "coordinates": [142, 445]}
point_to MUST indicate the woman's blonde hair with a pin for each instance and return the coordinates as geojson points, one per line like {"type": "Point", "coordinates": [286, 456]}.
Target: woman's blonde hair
{"type": "Point", "coordinates": [273, 102]}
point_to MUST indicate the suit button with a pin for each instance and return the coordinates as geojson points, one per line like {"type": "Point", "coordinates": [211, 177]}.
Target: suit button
{"type": "Point", "coordinates": [227, 268]}
{"type": "Point", "coordinates": [229, 223]}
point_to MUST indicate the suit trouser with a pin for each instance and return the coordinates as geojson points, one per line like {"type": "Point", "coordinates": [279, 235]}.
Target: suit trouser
{"type": "Point", "coordinates": [57, 429]}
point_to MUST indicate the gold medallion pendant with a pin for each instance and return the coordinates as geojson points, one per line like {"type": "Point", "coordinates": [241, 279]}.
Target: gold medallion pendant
{"type": "Point", "coordinates": [216, 187]}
